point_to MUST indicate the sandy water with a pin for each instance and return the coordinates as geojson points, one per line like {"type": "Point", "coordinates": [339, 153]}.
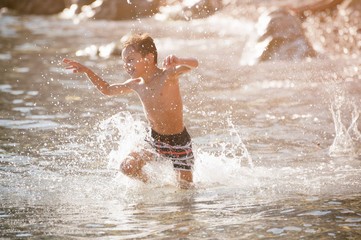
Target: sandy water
{"type": "Point", "coordinates": [277, 144]}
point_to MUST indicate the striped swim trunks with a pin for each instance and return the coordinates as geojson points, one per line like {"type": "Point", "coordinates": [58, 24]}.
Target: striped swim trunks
{"type": "Point", "coordinates": [176, 147]}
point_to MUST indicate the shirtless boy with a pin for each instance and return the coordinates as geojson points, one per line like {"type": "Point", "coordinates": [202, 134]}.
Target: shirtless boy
{"type": "Point", "coordinates": [158, 90]}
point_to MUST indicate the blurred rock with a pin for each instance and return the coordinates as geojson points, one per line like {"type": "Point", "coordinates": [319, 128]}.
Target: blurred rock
{"type": "Point", "coordinates": [280, 36]}
{"type": "Point", "coordinates": [317, 6]}
{"type": "Point", "coordinates": [80, 3]}
{"type": "Point", "coordinates": [198, 9]}
{"type": "Point", "coordinates": [202, 9]}
{"type": "Point", "coordinates": [355, 4]}
{"type": "Point", "coordinates": [40, 7]}
{"type": "Point", "coordinates": [337, 31]}
{"type": "Point", "coordinates": [124, 10]}
{"type": "Point", "coordinates": [96, 9]}
{"type": "Point", "coordinates": [104, 51]}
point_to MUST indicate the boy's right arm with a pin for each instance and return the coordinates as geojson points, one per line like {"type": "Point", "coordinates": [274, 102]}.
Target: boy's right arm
{"type": "Point", "coordinates": [178, 66]}
{"type": "Point", "coordinates": [99, 83]}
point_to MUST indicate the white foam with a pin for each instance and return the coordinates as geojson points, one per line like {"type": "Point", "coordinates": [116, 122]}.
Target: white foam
{"type": "Point", "coordinates": [346, 138]}
{"type": "Point", "coordinates": [126, 134]}
{"type": "Point", "coordinates": [225, 163]}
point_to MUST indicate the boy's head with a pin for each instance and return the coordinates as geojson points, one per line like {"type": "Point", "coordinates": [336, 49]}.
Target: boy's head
{"type": "Point", "coordinates": [143, 44]}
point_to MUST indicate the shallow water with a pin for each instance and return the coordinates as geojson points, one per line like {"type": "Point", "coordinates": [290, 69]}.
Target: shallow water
{"type": "Point", "coordinates": [277, 144]}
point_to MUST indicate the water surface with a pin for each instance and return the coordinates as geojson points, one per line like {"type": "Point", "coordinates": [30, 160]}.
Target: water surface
{"type": "Point", "coordinates": [277, 144]}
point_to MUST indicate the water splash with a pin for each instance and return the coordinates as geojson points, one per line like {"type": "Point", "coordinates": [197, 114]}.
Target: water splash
{"type": "Point", "coordinates": [240, 144]}
{"type": "Point", "coordinates": [221, 164]}
{"type": "Point", "coordinates": [224, 162]}
{"type": "Point", "coordinates": [122, 134]}
{"type": "Point", "coordinates": [345, 139]}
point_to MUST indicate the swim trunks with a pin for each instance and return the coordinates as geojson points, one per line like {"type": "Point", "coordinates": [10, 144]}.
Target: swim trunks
{"type": "Point", "coordinates": [176, 147]}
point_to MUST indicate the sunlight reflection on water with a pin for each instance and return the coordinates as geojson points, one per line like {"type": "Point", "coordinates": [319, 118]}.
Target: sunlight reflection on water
{"type": "Point", "coordinates": [269, 159]}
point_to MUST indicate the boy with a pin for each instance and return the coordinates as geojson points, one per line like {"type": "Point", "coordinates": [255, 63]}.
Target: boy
{"type": "Point", "coordinates": [158, 90]}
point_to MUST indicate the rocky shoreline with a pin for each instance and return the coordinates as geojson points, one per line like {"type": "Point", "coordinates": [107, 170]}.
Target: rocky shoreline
{"type": "Point", "coordinates": [290, 31]}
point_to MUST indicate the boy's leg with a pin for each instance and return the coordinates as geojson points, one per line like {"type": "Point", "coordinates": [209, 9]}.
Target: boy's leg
{"type": "Point", "coordinates": [185, 179]}
{"type": "Point", "coordinates": [132, 166]}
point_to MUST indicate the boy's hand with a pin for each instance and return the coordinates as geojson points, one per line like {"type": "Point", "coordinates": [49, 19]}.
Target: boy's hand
{"type": "Point", "coordinates": [170, 61]}
{"type": "Point", "coordinates": [75, 66]}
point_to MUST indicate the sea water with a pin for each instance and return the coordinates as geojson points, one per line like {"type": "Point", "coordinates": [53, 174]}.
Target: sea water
{"type": "Point", "coordinates": [277, 145]}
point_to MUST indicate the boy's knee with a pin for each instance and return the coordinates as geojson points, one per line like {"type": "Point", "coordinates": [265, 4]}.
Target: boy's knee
{"type": "Point", "coordinates": [126, 168]}
{"type": "Point", "coordinates": [130, 167]}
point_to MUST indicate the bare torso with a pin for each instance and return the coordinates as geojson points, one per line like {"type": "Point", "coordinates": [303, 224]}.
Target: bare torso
{"type": "Point", "coordinates": [162, 103]}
